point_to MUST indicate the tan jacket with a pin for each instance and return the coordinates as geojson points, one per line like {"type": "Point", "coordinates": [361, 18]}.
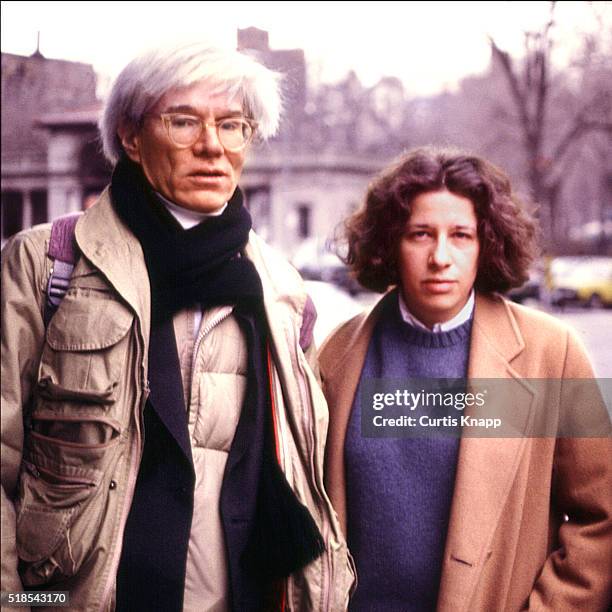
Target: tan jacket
{"type": "Point", "coordinates": [84, 382]}
{"type": "Point", "coordinates": [508, 547]}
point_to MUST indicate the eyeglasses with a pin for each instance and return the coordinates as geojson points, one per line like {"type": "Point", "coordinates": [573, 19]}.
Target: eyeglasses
{"type": "Point", "coordinates": [234, 133]}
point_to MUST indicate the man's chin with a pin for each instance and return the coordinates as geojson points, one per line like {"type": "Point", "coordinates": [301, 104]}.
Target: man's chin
{"type": "Point", "coordinates": [203, 205]}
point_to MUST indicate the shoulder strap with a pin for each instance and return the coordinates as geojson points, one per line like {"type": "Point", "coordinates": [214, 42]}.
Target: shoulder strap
{"type": "Point", "coordinates": [308, 322]}
{"type": "Point", "coordinates": [64, 252]}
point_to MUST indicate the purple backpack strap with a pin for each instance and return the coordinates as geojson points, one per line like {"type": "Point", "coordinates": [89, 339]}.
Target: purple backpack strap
{"type": "Point", "coordinates": [308, 322]}
{"type": "Point", "coordinates": [64, 252]}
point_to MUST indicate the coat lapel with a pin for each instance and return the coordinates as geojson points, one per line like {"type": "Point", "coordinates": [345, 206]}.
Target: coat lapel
{"type": "Point", "coordinates": [166, 386]}
{"type": "Point", "coordinates": [486, 467]}
{"type": "Point", "coordinates": [340, 386]}
{"type": "Point", "coordinates": [115, 251]}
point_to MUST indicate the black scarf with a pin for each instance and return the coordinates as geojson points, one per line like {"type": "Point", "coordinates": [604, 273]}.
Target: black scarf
{"type": "Point", "coordinates": [203, 265]}
{"type": "Point", "coordinates": [186, 267]}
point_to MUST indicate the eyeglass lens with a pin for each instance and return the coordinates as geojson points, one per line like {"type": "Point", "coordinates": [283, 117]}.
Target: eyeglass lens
{"type": "Point", "coordinates": [233, 133]}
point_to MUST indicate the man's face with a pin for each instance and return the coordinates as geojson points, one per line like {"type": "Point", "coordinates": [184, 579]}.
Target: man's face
{"type": "Point", "coordinates": [201, 177]}
{"type": "Point", "coordinates": [438, 256]}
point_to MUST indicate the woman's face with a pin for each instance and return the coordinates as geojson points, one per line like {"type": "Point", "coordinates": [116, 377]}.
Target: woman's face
{"type": "Point", "coordinates": [438, 256]}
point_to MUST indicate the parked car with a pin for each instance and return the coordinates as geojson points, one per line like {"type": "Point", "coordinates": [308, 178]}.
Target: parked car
{"type": "Point", "coordinates": [586, 281]}
{"type": "Point", "coordinates": [530, 290]}
{"type": "Point", "coordinates": [318, 264]}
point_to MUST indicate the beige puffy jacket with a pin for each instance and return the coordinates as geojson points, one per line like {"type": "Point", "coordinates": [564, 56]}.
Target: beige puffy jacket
{"type": "Point", "coordinates": [84, 381]}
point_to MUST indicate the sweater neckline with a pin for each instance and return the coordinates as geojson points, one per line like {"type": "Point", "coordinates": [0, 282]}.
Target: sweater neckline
{"type": "Point", "coordinates": [425, 338]}
{"type": "Point", "coordinates": [429, 339]}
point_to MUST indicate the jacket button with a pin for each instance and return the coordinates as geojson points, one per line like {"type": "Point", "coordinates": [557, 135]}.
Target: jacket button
{"type": "Point", "coordinates": [112, 485]}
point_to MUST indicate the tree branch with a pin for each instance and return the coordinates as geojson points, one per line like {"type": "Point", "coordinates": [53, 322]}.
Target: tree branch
{"type": "Point", "coordinates": [581, 127]}
{"type": "Point", "coordinates": [520, 98]}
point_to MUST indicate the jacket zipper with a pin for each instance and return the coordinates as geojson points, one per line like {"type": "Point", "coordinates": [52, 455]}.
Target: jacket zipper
{"type": "Point", "coordinates": [225, 312]}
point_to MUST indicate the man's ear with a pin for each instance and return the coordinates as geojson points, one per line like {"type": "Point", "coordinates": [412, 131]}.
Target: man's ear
{"type": "Point", "coordinates": [130, 139]}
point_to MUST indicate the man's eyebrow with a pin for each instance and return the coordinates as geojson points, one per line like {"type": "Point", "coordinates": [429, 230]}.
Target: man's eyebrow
{"type": "Point", "coordinates": [190, 110]}
{"type": "Point", "coordinates": [181, 108]}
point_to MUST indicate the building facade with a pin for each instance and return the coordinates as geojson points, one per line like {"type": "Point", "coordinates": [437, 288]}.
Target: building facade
{"type": "Point", "coordinates": [32, 88]}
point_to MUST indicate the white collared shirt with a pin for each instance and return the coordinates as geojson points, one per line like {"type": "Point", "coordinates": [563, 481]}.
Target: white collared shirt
{"type": "Point", "coordinates": [186, 217]}
{"type": "Point", "coordinates": [459, 319]}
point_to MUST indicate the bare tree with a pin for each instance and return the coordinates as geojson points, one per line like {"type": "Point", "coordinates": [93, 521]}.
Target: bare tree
{"type": "Point", "coordinates": [549, 135]}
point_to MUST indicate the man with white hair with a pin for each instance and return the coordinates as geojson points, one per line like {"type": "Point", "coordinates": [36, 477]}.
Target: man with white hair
{"type": "Point", "coordinates": [163, 433]}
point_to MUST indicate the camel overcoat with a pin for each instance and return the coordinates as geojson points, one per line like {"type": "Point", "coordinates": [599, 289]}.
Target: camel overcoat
{"type": "Point", "coordinates": [530, 524]}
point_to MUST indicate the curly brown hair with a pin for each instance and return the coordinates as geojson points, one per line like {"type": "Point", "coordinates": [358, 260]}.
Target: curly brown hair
{"type": "Point", "coordinates": [507, 233]}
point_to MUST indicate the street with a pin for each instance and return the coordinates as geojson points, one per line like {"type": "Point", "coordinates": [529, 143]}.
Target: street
{"type": "Point", "coordinates": [595, 329]}
{"type": "Point", "coordinates": [594, 326]}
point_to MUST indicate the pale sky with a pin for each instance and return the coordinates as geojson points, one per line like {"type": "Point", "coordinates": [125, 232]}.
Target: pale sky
{"type": "Point", "coordinates": [429, 45]}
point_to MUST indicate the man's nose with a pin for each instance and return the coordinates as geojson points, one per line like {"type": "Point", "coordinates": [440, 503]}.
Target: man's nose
{"type": "Point", "coordinates": [209, 143]}
{"type": "Point", "coordinates": [440, 256]}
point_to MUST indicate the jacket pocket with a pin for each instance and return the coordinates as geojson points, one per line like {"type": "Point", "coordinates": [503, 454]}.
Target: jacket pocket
{"type": "Point", "coordinates": [53, 496]}
{"type": "Point", "coordinates": [84, 353]}
{"type": "Point", "coordinates": [74, 437]}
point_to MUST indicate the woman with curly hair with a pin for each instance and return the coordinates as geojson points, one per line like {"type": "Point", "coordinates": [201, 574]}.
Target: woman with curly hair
{"type": "Point", "coordinates": [457, 522]}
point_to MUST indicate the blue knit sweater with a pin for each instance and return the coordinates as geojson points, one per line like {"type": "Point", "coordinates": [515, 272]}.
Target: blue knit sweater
{"type": "Point", "coordinates": [399, 490]}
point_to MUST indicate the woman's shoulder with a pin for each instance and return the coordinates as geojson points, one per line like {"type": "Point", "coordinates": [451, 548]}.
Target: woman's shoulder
{"type": "Point", "coordinates": [536, 320]}
{"type": "Point", "coordinates": [548, 338]}
{"type": "Point", "coordinates": [353, 335]}
{"type": "Point", "coordinates": [528, 320]}
{"type": "Point", "coordinates": [343, 333]}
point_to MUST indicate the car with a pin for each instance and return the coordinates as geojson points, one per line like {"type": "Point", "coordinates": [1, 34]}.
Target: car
{"type": "Point", "coordinates": [318, 263]}
{"type": "Point", "coordinates": [586, 281]}
{"type": "Point", "coordinates": [596, 292]}
{"type": "Point", "coordinates": [529, 290]}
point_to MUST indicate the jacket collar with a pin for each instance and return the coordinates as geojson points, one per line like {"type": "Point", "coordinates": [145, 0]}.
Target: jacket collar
{"type": "Point", "coordinates": [284, 302]}
{"type": "Point", "coordinates": [104, 239]}
{"type": "Point", "coordinates": [496, 339]}
{"type": "Point", "coordinates": [284, 295]}
{"type": "Point", "coordinates": [109, 244]}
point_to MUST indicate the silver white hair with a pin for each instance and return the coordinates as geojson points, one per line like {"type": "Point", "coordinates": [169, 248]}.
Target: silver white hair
{"type": "Point", "coordinates": [148, 77]}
